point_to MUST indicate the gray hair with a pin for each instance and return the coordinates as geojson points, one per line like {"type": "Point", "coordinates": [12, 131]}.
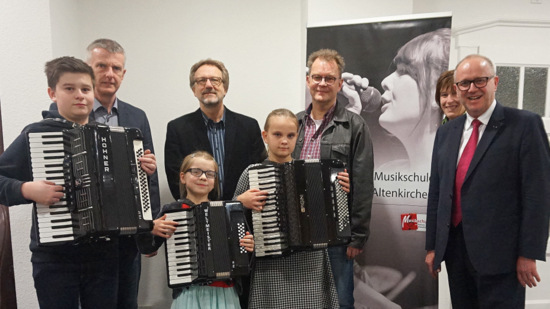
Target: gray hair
{"type": "Point", "coordinates": [218, 64]}
{"type": "Point", "coordinates": [109, 45]}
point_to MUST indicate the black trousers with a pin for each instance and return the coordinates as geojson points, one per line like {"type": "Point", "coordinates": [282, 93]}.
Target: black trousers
{"type": "Point", "coordinates": [470, 289]}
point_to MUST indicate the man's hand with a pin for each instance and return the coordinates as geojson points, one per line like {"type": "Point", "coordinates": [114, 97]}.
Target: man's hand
{"type": "Point", "coordinates": [353, 252]}
{"type": "Point", "coordinates": [253, 199]}
{"type": "Point", "coordinates": [430, 256]}
{"type": "Point", "coordinates": [527, 272]}
{"type": "Point", "coordinates": [148, 162]}
{"type": "Point", "coordinates": [42, 192]}
{"type": "Point", "coordinates": [343, 179]}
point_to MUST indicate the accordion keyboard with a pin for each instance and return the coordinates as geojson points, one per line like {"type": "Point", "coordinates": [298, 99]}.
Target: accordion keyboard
{"type": "Point", "coordinates": [268, 235]}
{"type": "Point", "coordinates": [55, 222]}
{"type": "Point", "coordinates": [181, 249]}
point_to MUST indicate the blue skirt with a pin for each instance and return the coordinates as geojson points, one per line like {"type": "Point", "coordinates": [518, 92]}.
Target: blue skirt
{"type": "Point", "coordinates": [206, 297]}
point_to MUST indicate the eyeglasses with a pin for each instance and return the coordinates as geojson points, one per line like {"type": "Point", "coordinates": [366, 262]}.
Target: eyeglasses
{"type": "Point", "coordinates": [329, 80]}
{"type": "Point", "coordinates": [479, 82]}
{"type": "Point", "coordinates": [197, 172]}
{"type": "Point", "coordinates": [215, 81]}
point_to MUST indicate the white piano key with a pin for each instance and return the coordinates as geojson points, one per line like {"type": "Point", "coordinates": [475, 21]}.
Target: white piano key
{"type": "Point", "coordinates": [45, 134]}
{"type": "Point", "coordinates": [44, 161]}
{"type": "Point", "coordinates": [173, 260]}
{"type": "Point", "coordinates": [52, 211]}
{"type": "Point", "coordinates": [41, 151]}
{"type": "Point", "coordinates": [48, 175]}
{"type": "Point", "coordinates": [179, 280]}
{"type": "Point", "coordinates": [49, 232]}
{"type": "Point", "coordinates": [50, 145]}
{"type": "Point", "coordinates": [44, 170]}
{"type": "Point", "coordinates": [56, 239]}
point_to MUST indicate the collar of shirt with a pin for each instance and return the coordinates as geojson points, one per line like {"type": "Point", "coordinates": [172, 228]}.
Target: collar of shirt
{"type": "Point", "coordinates": [468, 128]}
{"type": "Point", "coordinates": [326, 118]}
{"type": "Point", "coordinates": [209, 123]}
{"type": "Point", "coordinates": [97, 105]}
{"type": "Point", "coordinates": [484, 118]}
{"type": "Point", "coordinates": [100, 114]}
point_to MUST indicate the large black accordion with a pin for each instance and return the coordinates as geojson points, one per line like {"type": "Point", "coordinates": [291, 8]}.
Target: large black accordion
{"type": "Point", "coordinates": [106, 192]}
{"type": "Point", "coordinates": [305, 209]}
{"type": "Point", "coordinates": [205, 246]}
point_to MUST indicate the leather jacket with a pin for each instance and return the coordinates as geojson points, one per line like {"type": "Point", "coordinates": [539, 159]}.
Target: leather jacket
{"type": "Point", "coordinates": [347, 138]}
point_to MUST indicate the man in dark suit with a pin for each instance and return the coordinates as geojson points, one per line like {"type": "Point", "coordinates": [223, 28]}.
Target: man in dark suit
{"type": "Point", "coordinates": [491, 224]}
{"type": "Point", "coordinates": [107, 59]}
{"type": "Point", "coordinates": [233, 139]}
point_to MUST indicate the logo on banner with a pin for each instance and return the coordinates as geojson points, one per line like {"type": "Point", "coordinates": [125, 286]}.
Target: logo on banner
{"type": "Point", "coordinates": [409, 222]}
{"type": "Point", "coordinates": [413, 221]}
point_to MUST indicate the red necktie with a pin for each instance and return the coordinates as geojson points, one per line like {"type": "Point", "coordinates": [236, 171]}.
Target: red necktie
{"type": "Point", "coordinates": [461, 171]}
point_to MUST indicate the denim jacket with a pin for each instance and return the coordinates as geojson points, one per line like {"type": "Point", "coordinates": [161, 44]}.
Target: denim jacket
{"type": "Point", "coordinates": [347, 138]}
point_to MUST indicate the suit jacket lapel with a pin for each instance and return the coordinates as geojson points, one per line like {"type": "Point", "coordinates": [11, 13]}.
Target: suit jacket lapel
{"type": "Point", "coordinates": [230, 135]}
{"type": "Point", "coordinates": [455, 135]}
{"type": "Point", "coordinates": [122, 114]}
{"type": "Point", "coordinates": [201, 135]}
{"type": "Point", "coordinates": [496, 123]}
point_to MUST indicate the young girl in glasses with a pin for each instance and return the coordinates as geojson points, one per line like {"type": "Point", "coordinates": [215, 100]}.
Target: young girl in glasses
{"type": "Point", "coordinates": [302, 279]}
{"type": "Point", "coordinates": [199, 183]}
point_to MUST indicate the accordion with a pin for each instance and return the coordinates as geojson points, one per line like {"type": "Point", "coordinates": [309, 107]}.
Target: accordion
{"type": "Point", "coordinates": [205, 246]}
{"type": "Point", "coordinates": [305, 209]}
{"type": "Point", "coordinates": [106, 192]}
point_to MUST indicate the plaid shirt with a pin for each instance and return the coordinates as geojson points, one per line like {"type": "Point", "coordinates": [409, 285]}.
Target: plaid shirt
{"type": "Point", "coordinates": [312, 135]}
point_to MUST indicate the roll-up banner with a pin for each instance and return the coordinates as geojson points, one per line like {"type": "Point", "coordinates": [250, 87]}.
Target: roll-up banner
{"type": "Point", "coordinates": [392, 67]}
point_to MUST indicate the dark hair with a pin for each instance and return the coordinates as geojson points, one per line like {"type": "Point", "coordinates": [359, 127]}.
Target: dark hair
{"type": "Point", "coordinates": [59, 66]}
{"type": "Point", "coordinates": [327, 55]}
{"type": "Point", "coordinates": [215, 193]}
{"type": "Point", "coordinates": [445, 81]}
{"type": "Point", "coordinates": [218, 64]}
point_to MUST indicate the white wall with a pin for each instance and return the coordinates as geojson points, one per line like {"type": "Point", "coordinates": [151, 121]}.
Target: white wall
{"type": "Point", "coordinates": [322, 11]}
{"type": "Point", "coordinates": [25, 47]}
{"type": "Point", "coordinates": [261, 42]}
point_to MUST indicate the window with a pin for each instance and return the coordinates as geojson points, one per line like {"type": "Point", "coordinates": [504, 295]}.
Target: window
{"type": "Point", "coordinates": [524, 87]}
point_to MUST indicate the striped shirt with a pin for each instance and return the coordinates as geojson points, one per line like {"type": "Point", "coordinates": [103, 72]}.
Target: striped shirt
{"type": "Point", "coordinates": [314, 133]}
{"type": "Point", "coordinates": [216, 136]}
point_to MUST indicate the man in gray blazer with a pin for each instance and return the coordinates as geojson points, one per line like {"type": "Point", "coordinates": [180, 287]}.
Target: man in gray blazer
{"type": "Point", "coordinates": [488, 219]}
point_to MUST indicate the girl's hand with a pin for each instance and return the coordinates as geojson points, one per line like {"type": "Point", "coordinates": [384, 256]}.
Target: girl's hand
{"type": "Point", "coordinates": [247, 242]}
{"type": "Point", "coordinates": [148, 162]}
{"type": "Point", "coordinates": [253, 199]}
{"type": "Point", "coordinates": [164, 228]}
{"type": "Point", "coordinates": [343, 179]}
{"type": "Point", "coordinates": [150, 255]}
